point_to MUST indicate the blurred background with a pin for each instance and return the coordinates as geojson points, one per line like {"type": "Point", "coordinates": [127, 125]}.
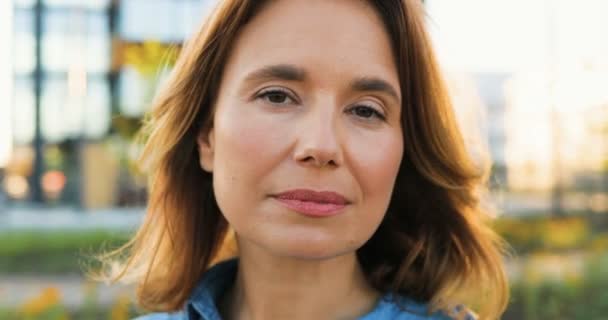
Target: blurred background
{"type": "Point", "coordinates": [529, 79]}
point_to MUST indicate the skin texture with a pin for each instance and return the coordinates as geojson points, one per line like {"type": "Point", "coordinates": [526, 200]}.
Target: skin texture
{"type": "Point", "coordinates": [316, 131]}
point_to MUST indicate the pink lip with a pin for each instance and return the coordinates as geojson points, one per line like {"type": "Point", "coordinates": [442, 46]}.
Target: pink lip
{"type": "Point", "coordinates": [313, 203]}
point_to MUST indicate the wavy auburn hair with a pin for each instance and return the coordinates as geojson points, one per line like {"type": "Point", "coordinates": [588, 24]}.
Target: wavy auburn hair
{"type": "Point", "coordinates": [434, 244]}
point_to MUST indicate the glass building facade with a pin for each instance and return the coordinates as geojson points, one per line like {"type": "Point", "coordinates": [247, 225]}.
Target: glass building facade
{"type": "Point", "coordinates": [84, 73]}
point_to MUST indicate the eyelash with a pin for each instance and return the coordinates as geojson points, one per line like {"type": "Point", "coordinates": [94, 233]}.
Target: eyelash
{"type": "Point", "coordinates": [264, 95]}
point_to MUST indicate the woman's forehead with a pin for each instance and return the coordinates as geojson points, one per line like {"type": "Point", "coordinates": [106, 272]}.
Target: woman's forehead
{"type": "Point", "coordinates": [343, 37]}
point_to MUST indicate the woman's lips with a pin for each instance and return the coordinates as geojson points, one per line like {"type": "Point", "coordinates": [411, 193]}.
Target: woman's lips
{"type": "Point", "coordinates": [313, 203]}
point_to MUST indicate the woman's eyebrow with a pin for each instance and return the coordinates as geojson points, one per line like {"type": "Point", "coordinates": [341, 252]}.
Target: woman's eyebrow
{"type": "Point", "coordinates": [277, 72]}
{"type": "Point", "coordinates": [374, 84]}
{"type": "Point", "coordinates": [289, 72]}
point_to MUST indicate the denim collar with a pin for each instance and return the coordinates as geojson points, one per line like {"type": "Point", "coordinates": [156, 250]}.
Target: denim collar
{"type": "Point", "coordinates": [203, 301]}
{"type": "Point", "coordinates": [202, 304]}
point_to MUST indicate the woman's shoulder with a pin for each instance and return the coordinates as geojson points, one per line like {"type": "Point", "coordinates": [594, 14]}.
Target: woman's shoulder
{"type": "Point", "coordinates": [399, 307]}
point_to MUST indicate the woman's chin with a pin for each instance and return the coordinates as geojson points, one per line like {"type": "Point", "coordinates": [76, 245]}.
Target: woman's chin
{"type": "Point", "coordinates": [302, 242]}
{"type": "Point", "coordinates": [311, 249]}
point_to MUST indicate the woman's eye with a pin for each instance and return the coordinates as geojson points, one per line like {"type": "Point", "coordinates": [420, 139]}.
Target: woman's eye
{"type": "Point", "coordinates": [366, 112]}
{"type": "Point", "coordinates": [276, 97]}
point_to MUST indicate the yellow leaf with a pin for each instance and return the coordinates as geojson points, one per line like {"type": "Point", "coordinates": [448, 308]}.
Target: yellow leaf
{"type": "Point", "coordinates": [48, 297]}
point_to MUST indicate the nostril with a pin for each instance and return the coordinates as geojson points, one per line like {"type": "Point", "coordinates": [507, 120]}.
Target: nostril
{"type": "Point", "coordinates": [317, 157]}
{"type": "Point", "coordinates": [308, 159]}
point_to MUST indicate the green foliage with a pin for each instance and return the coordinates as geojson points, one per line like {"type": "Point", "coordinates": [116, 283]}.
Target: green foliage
{"type": "Point", "coordinates": [584, 297]}
{"type": "Point", "coordinates": [8, 314]}
{"type": "Point", "coordinates": [126, 127]}
{"type": "Point", "coordinates": [53, 252]}
{"type": "Point", "coordinates": [527, 235]}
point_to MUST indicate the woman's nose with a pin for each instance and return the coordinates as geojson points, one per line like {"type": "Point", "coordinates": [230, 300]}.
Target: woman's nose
{"type": "Point", "coordinates": [318, 140]}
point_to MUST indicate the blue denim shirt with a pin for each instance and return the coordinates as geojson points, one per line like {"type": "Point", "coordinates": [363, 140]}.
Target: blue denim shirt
{"type": "Point", "coordinates": [202, 304]}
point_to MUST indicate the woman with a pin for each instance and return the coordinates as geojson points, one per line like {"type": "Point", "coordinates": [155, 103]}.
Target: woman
{"type": "Point", "coordinates": [319, 137]}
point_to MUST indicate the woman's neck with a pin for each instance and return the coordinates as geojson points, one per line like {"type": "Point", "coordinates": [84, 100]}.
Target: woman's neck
{"type": "Point", "coordinates": [270, 287]}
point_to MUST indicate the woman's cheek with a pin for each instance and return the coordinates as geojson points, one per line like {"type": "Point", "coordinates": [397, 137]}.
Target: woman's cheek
{"type": "Point", "coordinates": [256, 137]}
{"type": "Point", "coordinates": [381, 167]}
{"type": "Point", "coordinates": [250, 144]}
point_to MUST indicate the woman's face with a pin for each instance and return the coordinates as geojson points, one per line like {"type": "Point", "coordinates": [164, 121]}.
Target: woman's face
{"type": "Point", "coordinates": [309, 99]}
